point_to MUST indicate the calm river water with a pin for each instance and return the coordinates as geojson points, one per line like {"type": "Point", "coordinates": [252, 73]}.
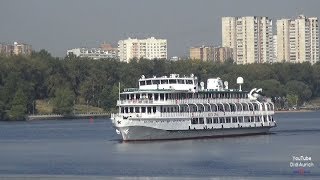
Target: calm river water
{"type": "Point", "coordinates": [82, 149]}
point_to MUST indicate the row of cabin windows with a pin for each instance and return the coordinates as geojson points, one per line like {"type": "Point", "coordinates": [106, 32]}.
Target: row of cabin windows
{"type": "Point", "coordinates": [138, 109]}
{"type": "Point", "coordinates": [193, 108]}
{"type": "Point", "coordinates": [162, 96]}
{"type": "Point", "coordinates": [166, 81]}
{"type": "Point", "coordinates": [240, 119]}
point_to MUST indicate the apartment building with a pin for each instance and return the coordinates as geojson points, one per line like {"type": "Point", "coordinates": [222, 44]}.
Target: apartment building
{"type": "Point", "coordinates": [92, 53]}
{"type": "Point", "coordinates": [250, 38]}
{"type": "Point", "coordinates": [209, 53]}
{"type": "Point", "coordinates": [150, 48]}
{"type": "Point", "coordinates": [15, 49]}
{"type": "Point", "coordinates": [298, 40]}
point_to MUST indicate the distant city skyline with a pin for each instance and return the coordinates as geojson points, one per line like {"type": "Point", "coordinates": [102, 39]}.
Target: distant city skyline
{"type": "Point", "coordinates": [60, 25]}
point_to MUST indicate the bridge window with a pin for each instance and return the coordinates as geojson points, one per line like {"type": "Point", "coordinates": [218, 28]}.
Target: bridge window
{"type": "Point", "coordinates": [155, 81]}
{"type": "Point", "coordinates": [172, 81]}
{"type": "Point", "coordinates": [164, 81]}
{"type": "Point", "coordinates": [148, 82]}
{"type": "Point", "coordinates": [189, 82]}
{"type": "Point", "coordinates": [181, 81]}
{"type": "Point", "coordinates": [209, 120]}
{"type": "Point", "coordinates": [142, 83]}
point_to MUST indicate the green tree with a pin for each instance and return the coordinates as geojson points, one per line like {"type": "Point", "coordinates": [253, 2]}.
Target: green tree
{"type": "Point", "coordinates": [19, 106]}
{"type": "Point", "coordinates": [63, 101]}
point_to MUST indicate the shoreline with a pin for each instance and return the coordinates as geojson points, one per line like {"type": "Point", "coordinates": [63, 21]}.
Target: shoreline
{"type": "Point", "coordinates": [295, 111]}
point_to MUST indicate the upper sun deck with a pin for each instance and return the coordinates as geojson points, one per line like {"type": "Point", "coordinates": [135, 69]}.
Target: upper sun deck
{"type": "Point", "coordinates": [173, 82]}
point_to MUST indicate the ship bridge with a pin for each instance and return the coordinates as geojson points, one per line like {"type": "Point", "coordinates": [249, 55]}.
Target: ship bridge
{"type": "Point", "coordinates": [173, 82]}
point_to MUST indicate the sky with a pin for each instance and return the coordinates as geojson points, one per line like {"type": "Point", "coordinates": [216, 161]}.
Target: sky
{"type": "Point", "coordinates": [58, 25]}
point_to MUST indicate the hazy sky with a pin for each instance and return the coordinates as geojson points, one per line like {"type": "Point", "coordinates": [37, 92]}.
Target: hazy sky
{"type": "Point", "coordinates": [58, 25]}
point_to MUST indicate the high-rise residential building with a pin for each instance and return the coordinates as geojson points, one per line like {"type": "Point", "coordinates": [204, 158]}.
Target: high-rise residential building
{"type": "Point", "coordinates": [15, 49]}
{"type": "Point", "coordinates": [274, 47]}
{"type": "Point", "coordinates": [249, 37]}
{"type": "Point", "coordinates": [298, 40]}
{"type": "Point", "coordinates": [149, 48]}
{"type": "Point", "coordinates": [210, 53]}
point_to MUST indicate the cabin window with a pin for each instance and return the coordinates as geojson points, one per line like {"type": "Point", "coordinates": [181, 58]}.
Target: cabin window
{"type": "Point", "coordinates": [201, 121]}
{"type": "Point", "coordinates": [164, 81]}
{"type": "Point", "coordinates": [172, 81]}
{"type": "Point", "coordinates": [181, 81]}
{"type": "Point", "coordinates": [234, 119]}
{"type": "Point", "coordinates": [265, 118]}
{"type": "Point", "coordinates": [161, 96]}
{"type": "Point", "coordinates": [240, 119]}
{"type": "Point", "coordinates": [246, 119]}
{"type": "Point", "coordinates": [149, 109]}
{"type": "Point", "coordinates": [232, 107]}
{"type": "Point", "coordinates": [258, 119]}
{"type": "Point", "coordinates": [252, 119]}
{"type": "Point", "coordinates": [194, 121]}
{"type": "Point", "coordinates": [215, 120]}
{"type": "Point", "coordinates": [209, 120]}
{"type": "Point", "coordinates": [155, 81]}
{"type": "Point", "coordinates": [222, 120]}
{"type": "Point", "coordinates": [137, 109]}
{"type": "Point", "coordinates": [143, 109]}
{"type": "Point", "coordinates": [137, 96]}
{"type": "Point", "coordinates": [228, 120]}
{"type": "Point", "coordinates": [122, 110]}
{"type": "Point", "coordinates": [131, 109]}
{"type": "Point", "coordinates": [189, 82]}
{"type": "Point", "coordinates": [154, 109]}
{"type": "Point", "coordinates": [156, 97]}
{"type": "Point", "coordinates": [142, 83]}
{"type": "Point", "coordinates": [126, 109]}
{"type": "Point", "coordinates": [148, 82]}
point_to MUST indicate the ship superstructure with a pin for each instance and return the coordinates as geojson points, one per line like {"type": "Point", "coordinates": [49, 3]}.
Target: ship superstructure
{"type": "Point", "coordinates": [179, 107]}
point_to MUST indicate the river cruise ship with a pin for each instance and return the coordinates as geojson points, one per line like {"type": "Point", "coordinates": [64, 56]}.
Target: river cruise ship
{"type": "Point", "coordinates": [180, 107]}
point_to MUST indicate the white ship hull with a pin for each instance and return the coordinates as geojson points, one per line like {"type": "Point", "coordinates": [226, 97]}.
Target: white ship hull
{"type": "Point", "coordinates": [137, 133]}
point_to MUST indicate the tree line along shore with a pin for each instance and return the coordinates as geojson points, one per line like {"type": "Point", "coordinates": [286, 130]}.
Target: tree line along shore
{"type": "Point", "coordinates": [43, 84]}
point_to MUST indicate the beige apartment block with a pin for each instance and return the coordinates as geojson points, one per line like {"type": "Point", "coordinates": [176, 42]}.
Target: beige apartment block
{"type": "Point", "coordinates": [149, 48]}
{"type": "Point", "coordinates": [298, 40]}
{"type": "Point", "coordinates": [250, 38]}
